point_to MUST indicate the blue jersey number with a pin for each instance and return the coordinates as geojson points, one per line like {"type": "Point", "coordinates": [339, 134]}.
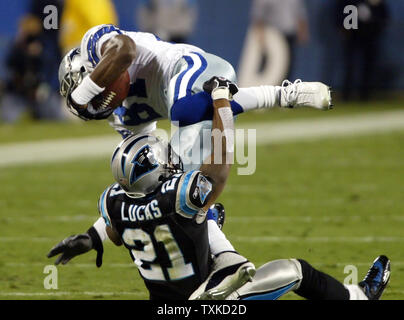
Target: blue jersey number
{"type": "Point", "coordinates": [137, 113]}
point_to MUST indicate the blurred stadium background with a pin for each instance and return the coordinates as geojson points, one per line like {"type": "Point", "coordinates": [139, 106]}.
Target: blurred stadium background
{"type": "Point", "coordinates": [328, 186]}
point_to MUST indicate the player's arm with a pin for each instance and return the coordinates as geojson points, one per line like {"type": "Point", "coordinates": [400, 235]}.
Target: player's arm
{"type": "Point", "coordinates": [117, 54]}
{"type": "Point", "coordinates": [81, 243]}
{"type": "Point", "coordinates": [92, 239]}
{"type": "Point", "coordinates": [217, 166]}
{"type": "Point", "coordinates": [199, 189]}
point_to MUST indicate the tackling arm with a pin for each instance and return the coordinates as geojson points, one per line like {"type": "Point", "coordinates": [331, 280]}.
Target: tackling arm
{"type": "Point", "coordinates": [217, 166]}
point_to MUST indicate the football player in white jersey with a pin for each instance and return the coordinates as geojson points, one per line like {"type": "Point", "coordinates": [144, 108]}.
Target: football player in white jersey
{"type": "Point", "coordinates": [166, 83]}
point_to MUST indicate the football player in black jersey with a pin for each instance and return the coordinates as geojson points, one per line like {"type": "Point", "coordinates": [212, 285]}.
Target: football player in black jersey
{"type": "Point", "coordinates": [159, 213]}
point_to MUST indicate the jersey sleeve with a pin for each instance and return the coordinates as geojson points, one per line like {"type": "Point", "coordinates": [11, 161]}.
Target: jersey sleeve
{"type": "Point", "coordinates": [92, 42]}
{"type": "Point", "coordinates": [193, 193]}
{"type": "Point", "coordinates": [103, 206]}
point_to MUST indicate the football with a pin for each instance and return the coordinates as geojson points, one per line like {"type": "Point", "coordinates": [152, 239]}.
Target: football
{"type": "Point", "coordinates": [114, 94]}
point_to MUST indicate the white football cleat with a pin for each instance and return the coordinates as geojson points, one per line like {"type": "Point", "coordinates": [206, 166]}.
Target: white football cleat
{"type": "Point", "coordinates": [230, 271]}
{"type": "Point", "coordinates": [305, 94]}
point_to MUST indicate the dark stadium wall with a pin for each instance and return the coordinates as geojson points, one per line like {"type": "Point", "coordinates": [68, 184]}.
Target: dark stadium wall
{"type": "Point", "coordinates": [222, 26]}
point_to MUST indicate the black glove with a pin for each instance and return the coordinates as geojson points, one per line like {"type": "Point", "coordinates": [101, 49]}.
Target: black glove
{"type": "Point", "coordinates": [220, 82]}
{"type": "Point", "coordinates": [76, 245]}
{"type": "Point", "coordinates": [88, 113]}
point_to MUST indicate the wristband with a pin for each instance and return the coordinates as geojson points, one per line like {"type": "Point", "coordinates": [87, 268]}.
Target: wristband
{"type": "Point", "coordinates": [220, 93]}
{"type": "Point", "coordinates": [86, 91]}
{"type": "Point", "coordinates": [99, 226]}
{"type": "Point", "coordinates": [226, 116]}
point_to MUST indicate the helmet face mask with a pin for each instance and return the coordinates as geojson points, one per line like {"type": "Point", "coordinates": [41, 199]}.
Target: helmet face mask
{"type": "Point", "coordinates": [71, 74]}
{"type": "Point", "coordinates": [141, 163]}
{"type": "Point", "coordinates": [70, 82]}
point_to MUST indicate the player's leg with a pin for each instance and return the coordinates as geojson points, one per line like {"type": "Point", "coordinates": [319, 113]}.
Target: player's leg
{"type": "Point", "coordinates": [276, 278]}
{"type": "Point", "coordinates": [271, 281]}
{"type": "Point", "coordinates": [318, 285]}
{"type": "Point", "coordinates": [189, 104]}
{"type": "Point", "coordinates": [229, 270]}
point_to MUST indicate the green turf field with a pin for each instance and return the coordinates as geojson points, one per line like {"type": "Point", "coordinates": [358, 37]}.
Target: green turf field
{"type": "Point", "coordinates": [333, 202]}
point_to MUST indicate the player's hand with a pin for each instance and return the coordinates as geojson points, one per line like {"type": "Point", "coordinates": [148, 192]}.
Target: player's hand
{"type": "Point", "coordinates": [220, 88]}
{"type": "Point", "coordinates": [87, 112]}
{"type": "Point", "coordinates": [73, 246]}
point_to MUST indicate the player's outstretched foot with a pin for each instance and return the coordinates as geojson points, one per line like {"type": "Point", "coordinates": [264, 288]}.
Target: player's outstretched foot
{"type": "Point", "coordinates": [305, 94]}
{"type": "Point", "coordinates": [216, 213]}
{"type": "Point", "coordinates": [230, 272]}
{"type": "Point", "coordinates": [377, 278]}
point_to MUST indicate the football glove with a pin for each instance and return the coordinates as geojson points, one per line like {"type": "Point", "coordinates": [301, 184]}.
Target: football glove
{"type": "Point", "coordinates": [78, 244]}
{"type": "Point", "coordinates": [89, 113]}
{"type": "Point", "coordinates": [215, 87]}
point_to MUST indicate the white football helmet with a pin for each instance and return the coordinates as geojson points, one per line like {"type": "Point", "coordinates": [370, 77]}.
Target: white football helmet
{"type": "Point", "coordinates": [71, 73]}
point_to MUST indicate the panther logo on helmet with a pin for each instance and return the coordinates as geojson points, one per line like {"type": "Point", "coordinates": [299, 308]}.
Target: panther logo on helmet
{"type": "Point", "coordinates": [143, 163]}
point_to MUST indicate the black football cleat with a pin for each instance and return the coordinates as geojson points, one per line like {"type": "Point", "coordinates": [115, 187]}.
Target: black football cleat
{"type": "Point", "coordinates": [377, 278]}
{"type": "Point", "coordinates": [216, 212]}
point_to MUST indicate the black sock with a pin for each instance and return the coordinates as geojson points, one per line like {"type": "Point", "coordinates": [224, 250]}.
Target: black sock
{"type": "Point", "coordinates": [317, 285]}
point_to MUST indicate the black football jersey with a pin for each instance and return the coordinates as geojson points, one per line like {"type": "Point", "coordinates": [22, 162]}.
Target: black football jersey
{"type": "Point", "coordinates": [165, 232]}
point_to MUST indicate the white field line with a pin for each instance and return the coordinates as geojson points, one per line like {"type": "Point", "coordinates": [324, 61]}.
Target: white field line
{"type": "Point", "coordinates": [132, 265]}
{"type": "Point", "coordinates": [77, 265]}
{"type": "Point", "coordinates": [231, 219]}
{"type": "Point", "coordinates": [308, 219]}
{"type": "Point", "coordinates": [89, 293]}
{"type": "Point", "coordinates": [313, 129]}
{"type": "Point", "coordinates": [49, 151]}
{"type": "Point", "coordinates": [67, 293]}
{"type": "Point", "coordinates": [277, 239]}
{"type": "Point", "coordinates": [253, 239]}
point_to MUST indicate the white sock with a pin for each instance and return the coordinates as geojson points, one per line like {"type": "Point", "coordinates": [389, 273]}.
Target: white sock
{"type": "Point", "coordinates": [355, 292]}
{"type": "Point", "coordinates": [217, 240]}
{"type": "Point", "coordinates": [258, 97]}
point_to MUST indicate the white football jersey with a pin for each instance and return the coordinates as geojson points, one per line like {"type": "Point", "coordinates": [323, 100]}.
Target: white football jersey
{"type": "Point", "coordinates": [150, 74]}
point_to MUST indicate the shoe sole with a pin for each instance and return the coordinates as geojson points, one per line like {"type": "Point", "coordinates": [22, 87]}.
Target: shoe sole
{"type": "Point", "coordinates": [326, 103]}
{"type": "Point", "coordinates": [385, 280]}
{"type": "Point", "coordinates": [232, 283]}
{"type": "Point", "coordinates": [330, 104]}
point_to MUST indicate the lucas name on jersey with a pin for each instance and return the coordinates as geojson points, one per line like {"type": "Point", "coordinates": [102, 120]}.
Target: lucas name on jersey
{"type": "Point", "coordinates": [136, 213]}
